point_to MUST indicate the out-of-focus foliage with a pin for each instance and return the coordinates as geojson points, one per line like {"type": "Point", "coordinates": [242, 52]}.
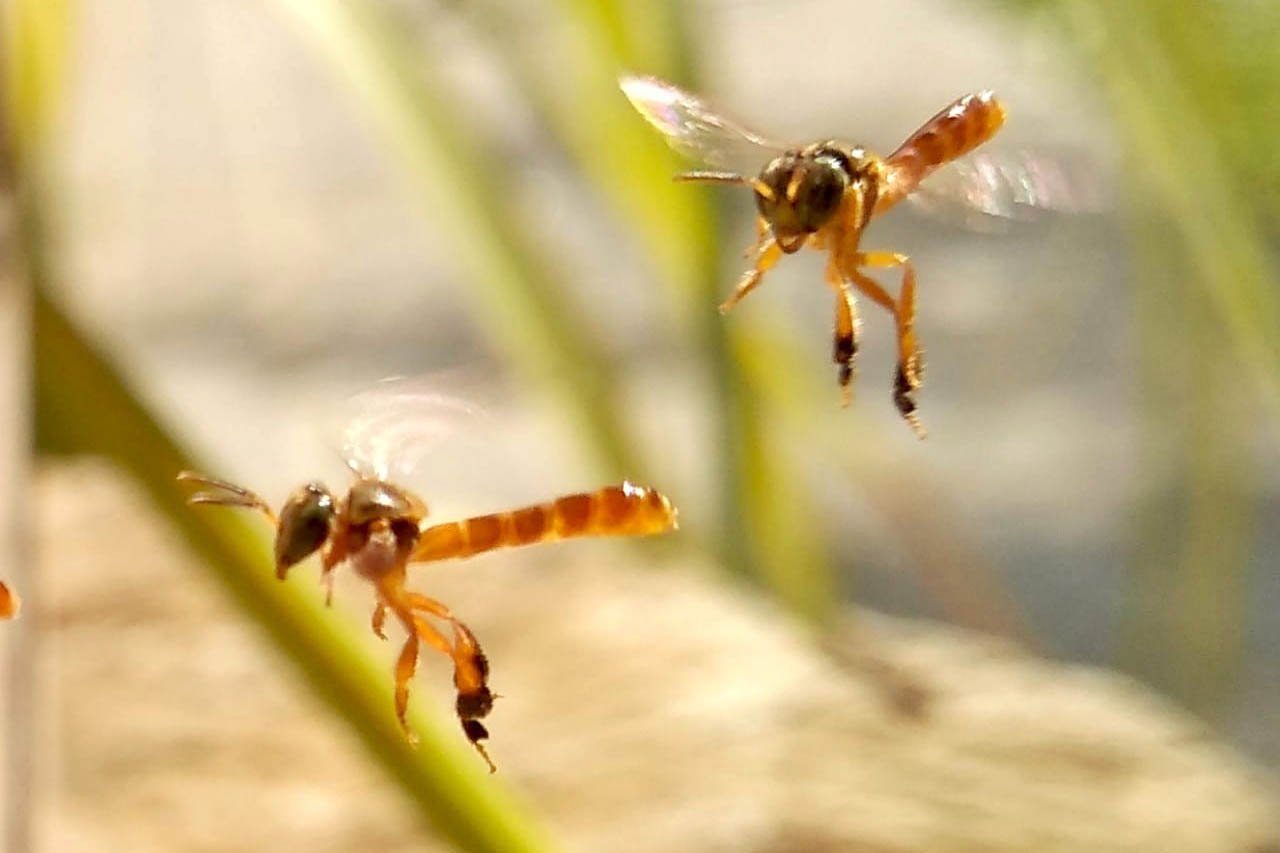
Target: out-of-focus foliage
{"type": "Point", "coordinates": [1192, 88]}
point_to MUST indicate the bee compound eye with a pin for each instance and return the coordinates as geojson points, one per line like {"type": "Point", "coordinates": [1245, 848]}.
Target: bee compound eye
{"type": "Point", "coordinates": [305, 524]}
{"type": "Point", "coordinates": [823, 187]}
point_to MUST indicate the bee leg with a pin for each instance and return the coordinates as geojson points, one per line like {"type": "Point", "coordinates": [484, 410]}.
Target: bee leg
{"type": "Point", "coordinates": [379, 619]}
{"type": "Point", "coordinates": [333, 554]}
{"type": "Point", "coordinates": [419, 632]}
{"type": "Point", "coordinates": [910, 371]}
{"type": "Point", "coordinates": [762, 231]}
{"type": "Point", "coordinates": [770, 252]}
{"type": "Point", "coordinates": [406, 666]}
{"type": "Point", "coordinates": [845, 347]}
{"type": "Point", "coordinates": [470, 674]}
{"type": "Point", "coordinates": [326, 583]}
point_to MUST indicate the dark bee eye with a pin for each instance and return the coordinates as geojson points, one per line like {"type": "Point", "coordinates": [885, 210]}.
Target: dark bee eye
{"type": "Point", "coordinates": [305, 522]}
{"type": "Point", "coordinates": [820, 194]}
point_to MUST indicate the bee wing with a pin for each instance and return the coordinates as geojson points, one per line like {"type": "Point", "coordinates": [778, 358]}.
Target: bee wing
{"type": "Point", "coordinates": [694, 129]}
{"type": "Point", "coordinates": [390, 428]}
{"type": "Point", "coordinates": [989, 190]}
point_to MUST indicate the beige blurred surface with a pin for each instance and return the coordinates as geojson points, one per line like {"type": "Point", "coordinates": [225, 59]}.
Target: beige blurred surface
{"type": "Point", "coordinates": [642, 710]}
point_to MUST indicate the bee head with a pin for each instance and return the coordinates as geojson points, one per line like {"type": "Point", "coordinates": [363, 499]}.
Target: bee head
{"type": "Point", "coordinates": [799, 192]}
{"type": "Point", "coordinates": [306, 521]}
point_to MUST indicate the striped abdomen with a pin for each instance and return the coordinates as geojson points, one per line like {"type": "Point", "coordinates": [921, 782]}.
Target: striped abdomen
{"type": "Point", "coordinates": [625, 510]}
{"type": "Point", "coordinates": [954, 132]}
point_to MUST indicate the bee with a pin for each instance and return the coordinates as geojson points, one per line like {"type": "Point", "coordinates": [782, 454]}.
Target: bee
{"type": "Point", "coordinates": [379, 528]}
{"type": "Point", "coordinates": [824, 195]}
{"type": "Point", "coordinates": [10, 604]}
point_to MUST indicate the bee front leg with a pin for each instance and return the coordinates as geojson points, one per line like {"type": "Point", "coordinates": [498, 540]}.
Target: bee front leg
{"type": "Point", "coordinates": [762, 231]}
{"type": "Point", "coordinates": [770, 252]}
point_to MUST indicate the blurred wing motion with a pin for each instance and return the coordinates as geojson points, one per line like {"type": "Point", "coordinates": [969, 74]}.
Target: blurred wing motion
{"type": "Point", "coordinates": [392, 426]}
{"type": "Point", "coordinates": [989, 190]}
{"type": "Point", "coordinates": [9, 602]}
{"type": "Point", "coordinates": [694, 129]}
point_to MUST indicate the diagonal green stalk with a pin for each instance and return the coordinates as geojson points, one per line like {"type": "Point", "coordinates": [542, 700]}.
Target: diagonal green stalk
{"type": "Point", "coordinates": [83, 405]}
{"type": "Point", "coordinates": [515, 287]}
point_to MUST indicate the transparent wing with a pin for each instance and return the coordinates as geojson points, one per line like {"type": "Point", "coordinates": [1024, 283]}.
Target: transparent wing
{"type": "Point", "coordinates": [694, 129]}
{"type": "Point", "coordinates": [988, 190]}
{"type": "Point", "coordinates": [390, 428]}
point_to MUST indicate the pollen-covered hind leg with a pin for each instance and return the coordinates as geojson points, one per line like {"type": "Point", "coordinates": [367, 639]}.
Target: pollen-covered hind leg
{"type": "Point", "coordinates": [769, 254]}
{"type": "Point", "coordinates": [470, 673]}
{"type": "Point", "coordinates": [909, 375]}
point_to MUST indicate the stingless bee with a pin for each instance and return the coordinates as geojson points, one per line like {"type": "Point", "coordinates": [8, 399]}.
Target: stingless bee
{"type": "Point", "coordinates": [9, 602]}
{"type": "Point", "coordinates": [379, 528]}
{"type": "Point", "coordinates": [824, 195]}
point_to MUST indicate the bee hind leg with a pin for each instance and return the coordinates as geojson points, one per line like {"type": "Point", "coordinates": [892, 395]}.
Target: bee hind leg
{"type": "Point", "coordinates": [470, 673]}
{"type": "Point", "coordinates": [909, 375]}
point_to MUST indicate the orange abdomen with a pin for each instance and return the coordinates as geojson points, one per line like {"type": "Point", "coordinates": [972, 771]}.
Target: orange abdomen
{"type": "Point", "coordinates": [625, 510]}
{"type": "Point", "coordinates": [955, 131]}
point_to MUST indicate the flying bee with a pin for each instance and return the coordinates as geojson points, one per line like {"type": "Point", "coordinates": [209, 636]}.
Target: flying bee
{"type": "Point", "coordinates": [379, 528]}
{"type": "Point", "coordinates": [10, 604]}
{"type": "Point", "coordinates": [824, 195]}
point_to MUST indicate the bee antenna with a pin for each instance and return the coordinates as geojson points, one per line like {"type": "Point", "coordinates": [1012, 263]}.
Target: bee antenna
{"type": "Point", "coordinates": [711, 177]}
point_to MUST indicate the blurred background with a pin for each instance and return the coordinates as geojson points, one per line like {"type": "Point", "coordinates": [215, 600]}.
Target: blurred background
{"type": "Point", "coordinates": [223, 218]}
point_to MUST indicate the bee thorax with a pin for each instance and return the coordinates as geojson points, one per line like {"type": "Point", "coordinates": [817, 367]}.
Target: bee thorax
{"type": "Point", "coordinates": [380, 553]}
